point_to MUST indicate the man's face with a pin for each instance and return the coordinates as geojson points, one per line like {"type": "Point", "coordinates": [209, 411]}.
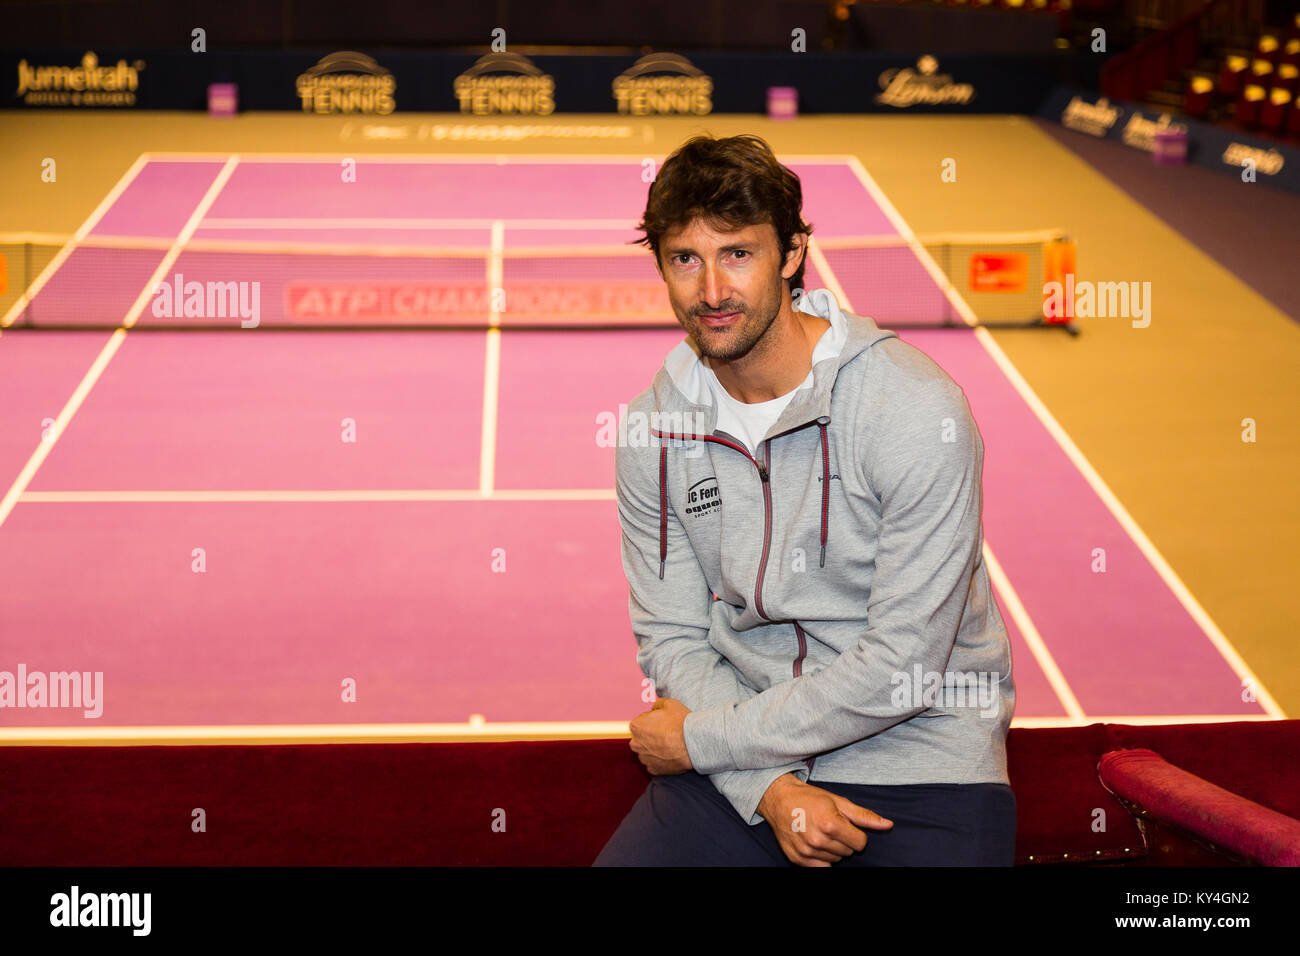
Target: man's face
{"type": "Point", "coordinates": [726, 288]}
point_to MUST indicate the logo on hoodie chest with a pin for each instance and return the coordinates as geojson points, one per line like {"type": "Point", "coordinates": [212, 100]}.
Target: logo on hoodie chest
{"type": "Point", "coordinates": [703, 498]}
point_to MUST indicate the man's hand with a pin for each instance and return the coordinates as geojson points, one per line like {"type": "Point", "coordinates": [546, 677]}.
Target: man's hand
{"type": "Point", "coordinates": [814, 826]}
{"type": "Point", "coordinates": [658, 738]}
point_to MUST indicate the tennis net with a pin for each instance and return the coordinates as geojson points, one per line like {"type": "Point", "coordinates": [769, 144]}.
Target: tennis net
{"type": "Point", "coordinates": [106, 282]}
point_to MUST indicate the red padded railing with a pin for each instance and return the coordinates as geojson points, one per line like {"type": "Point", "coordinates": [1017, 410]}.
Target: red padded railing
{"type": "Point", "coordinates": [1220, 817]}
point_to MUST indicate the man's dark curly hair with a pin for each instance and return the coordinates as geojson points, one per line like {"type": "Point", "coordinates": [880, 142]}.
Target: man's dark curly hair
{"type": "Point", "coordinates": [729, 183]}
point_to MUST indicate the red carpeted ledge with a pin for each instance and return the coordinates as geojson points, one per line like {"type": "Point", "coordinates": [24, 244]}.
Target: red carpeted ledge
{"type": "Point", "coordinates": [536, 803]}
{"type": "Point", "coordinates": [453, 804]}
{"type": "Point", "coordinates": [1186, 801]}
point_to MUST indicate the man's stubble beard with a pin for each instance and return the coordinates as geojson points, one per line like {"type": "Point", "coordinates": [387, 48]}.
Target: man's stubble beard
{"type": "Point", "coordinates": [741, 337]}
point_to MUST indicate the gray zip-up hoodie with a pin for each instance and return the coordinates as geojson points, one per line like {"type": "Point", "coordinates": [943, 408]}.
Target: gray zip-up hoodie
{"type": "Point", "coordinates": [823, 607]}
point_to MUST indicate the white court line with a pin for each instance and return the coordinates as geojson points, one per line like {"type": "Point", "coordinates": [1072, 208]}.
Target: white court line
{"type": "Point", "coordinates": [887, 240]}
{"type": "Point", "coordinates": [331, 247]}
{"type": "Point", "coordinates": [1029, 631]}
{"type": "Point", "coordinates": [487, 465]}
{"type": "Point", "coordinates": [470, 732]}
{"type": "Point", "coordinates": [827, 274]}
{"type": "Point", "coordinates": [161, 243]}
{"type": "Point", "coordinates": [82, 232]}
{"type": "Point", "coordinates": [213, 734]}
{"type": "Point", "coordinates": [997, 576]}
{"type": "Point", "coordinates": [115, 340]}
{"type": "Point", "coordinates": [160, 273]}
{"type": "Point", "coordinates": [320, 247]}
{"type": "Point", "coordinates": [495, 158]}
{"type": "Point", "coordinates": [314, 495]}
{"type": "Point", "coordinates": [399, 222]}
{"type": "Point", "coordinates": [1031, 723]}
{"type": "Point", "coordinates": [1067, 445]}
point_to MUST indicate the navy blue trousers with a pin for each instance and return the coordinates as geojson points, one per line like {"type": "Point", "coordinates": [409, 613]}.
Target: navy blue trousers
{"type": "Point", "coordinates": [682, 820]}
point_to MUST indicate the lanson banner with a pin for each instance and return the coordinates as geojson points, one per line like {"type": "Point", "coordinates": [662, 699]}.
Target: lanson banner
{"type": "Point", "coordinates": [506, 83]}
{"type": "Point", "coordinates": [1267, 161]}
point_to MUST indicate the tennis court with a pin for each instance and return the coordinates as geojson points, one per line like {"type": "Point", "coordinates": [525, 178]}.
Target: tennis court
{"type": "Point", "coordinates": [393, 531]}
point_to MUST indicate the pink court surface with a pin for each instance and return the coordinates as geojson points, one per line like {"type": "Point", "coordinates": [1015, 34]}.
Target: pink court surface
{"type": "Point", "coordinates": [459, 560]}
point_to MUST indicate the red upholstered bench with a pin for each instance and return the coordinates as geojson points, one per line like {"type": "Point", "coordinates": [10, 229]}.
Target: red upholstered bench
{"type": "Point", "coordinates": [547, 803]}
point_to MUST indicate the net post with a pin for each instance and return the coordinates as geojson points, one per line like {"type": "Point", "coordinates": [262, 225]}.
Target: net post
{"type": "Point", "coordinates": [1058, 263]}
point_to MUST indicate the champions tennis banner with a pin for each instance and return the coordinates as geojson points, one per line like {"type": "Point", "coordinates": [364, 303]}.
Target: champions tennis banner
{"type": "Point", "coordinates": [377, 82]}
{"type": "Point", "coordinates": [471, 303]}
{"type": "Point", "coordinates": [1264, 160]}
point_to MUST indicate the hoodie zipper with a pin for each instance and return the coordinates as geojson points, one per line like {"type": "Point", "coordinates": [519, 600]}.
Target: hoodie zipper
{"type": "Point", "coordinates": [765, 477]}
{"type": "Point", "coordinates": [803, 649]}
{"type": "Point", "coordinates": [764, 474]}
{"type": "Point", "coordinates": [798, 669]}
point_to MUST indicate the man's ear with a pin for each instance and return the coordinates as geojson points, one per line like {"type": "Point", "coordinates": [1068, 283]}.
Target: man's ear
{"type": "Point", "coordinates": [795, 256]}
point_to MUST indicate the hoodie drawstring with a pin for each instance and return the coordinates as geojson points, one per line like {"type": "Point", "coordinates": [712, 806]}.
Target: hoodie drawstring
{"type": "Point", "coordinates": [663, 500]}
{"type": "Point", "coordinates": [826, 490]}
{"type": "Point", "coordinates": [663, 508]}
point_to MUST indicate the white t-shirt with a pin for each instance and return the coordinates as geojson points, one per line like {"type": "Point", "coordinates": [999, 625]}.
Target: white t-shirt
{"type": "Point", "coordinates": [748, 422]}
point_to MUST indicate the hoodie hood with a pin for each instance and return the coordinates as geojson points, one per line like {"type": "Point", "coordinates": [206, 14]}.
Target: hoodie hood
{"type": "Point", "coordinates": [681, 386]}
